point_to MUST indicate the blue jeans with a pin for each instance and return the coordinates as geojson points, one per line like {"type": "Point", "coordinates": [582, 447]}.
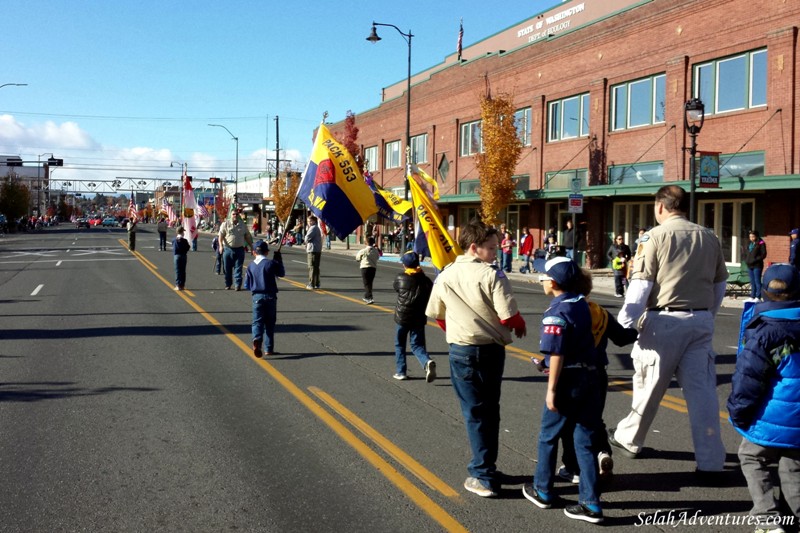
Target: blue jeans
{"type": "Point", "coordinates": [417, 346]}
{"type": "Point", "coordinates": [265, 314]}
{"type": "Point", "coordinates": [477, 374]}
{"type": "Point", "coordinates": [577, 401]}
{"type": "Point", "coordinates": [570, 252]}
{"type": "Point", "coordinates": [233, 260]}
{"type": "Point", "coordinates": [507, 258]}
{"type": "Point", "coordinates": [180, 269]}
{"type": "Point", "coordinates": [755, 282]}
{"type": "Point", "coordinates": [526, 269]}
{"type": "Point", "coordinates": [217, 263]}
{"type": "Point", "coordinates": [162, 241]}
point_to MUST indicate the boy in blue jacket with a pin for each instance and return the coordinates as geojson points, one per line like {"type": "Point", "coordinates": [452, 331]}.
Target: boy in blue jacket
{"type": "Point", "coordinates": [261, 281]}
{"type": "Point", "coordinates": [764, 404]}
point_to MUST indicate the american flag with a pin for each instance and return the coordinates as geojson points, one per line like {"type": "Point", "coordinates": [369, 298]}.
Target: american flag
{"type": "Point", "coordinates": [132, 208]}
{"type": "Point", "coordinates": [460, 39]}
{"type": "Point", "coordinates": [167, 208]}
{"type": "Point", "coordinates": [202, 211]}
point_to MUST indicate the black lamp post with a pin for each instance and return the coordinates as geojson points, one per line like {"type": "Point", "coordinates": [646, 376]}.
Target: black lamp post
{"type": "Point", "coordinates": [693, 118]}
{"type": "Point", "coordinates": [373, 38]}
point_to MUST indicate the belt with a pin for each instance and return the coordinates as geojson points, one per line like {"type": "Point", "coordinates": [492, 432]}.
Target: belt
{"type": "Point", "coordinates": [677, 309]}
{"type": "Point", "coordinates": [580, 365]}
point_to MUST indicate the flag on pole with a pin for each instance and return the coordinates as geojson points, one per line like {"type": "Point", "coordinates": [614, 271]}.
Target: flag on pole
{"type": "Point", "coordinates": [189, 207]}
{"type": "Point", "coordinates": [202, 211]}
{"type": "Point", "coordinates": [167, 208]}
{"type": "Point", "coordinates": [332, 186]}
{"type": "Point", "coordinates": [389, 204]}
{"type": "Point", "coordinates": [132, 208]}
{"type": "Point", "coordinates": [459, 46]}
{"type": "Point", "coordinates": [441, 247]}
{"type": "Point", "coordinates": [416, 171]}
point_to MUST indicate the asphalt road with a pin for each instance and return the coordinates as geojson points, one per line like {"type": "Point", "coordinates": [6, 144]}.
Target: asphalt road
{"type": "Point", "coordinates": [126, 406]}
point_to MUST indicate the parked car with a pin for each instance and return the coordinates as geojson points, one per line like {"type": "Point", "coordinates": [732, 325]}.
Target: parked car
{"type": "Point", "coordinates": [82, 223]}
{"type": "Point", "coordinates": [95, 221]}
{"type": "Point", "coordinates": [109, 222]}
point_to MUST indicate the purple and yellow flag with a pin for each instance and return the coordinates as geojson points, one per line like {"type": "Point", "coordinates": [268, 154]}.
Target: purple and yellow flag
{"type": "Point", "coordinates": [441, 246]}
{"type": "Point", "coordinates": [333, 188]}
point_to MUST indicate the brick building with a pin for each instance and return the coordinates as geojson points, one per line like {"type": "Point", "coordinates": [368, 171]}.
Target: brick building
{"type": "Point", "coordinates": [600, 90]}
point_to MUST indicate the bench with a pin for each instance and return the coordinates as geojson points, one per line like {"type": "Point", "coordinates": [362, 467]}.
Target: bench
{"type": "Point", "coordinates": [738, 283]}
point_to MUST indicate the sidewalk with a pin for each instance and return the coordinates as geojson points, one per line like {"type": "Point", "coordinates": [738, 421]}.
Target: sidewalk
{"type": "Point", "coordinates": [602, 278]}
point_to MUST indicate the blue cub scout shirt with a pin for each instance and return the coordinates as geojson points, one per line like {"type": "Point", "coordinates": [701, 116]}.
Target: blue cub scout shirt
{"type": "Point", "coordinates": [567, 330]}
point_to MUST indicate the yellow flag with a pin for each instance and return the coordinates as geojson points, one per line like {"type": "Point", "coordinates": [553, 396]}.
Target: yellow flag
{"type": "Point", "coordinates": [442, 248]}
{"type": "Point", "coordinates": [430, 181]}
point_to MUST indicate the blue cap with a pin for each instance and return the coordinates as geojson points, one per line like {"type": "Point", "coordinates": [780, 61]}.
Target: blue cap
{"type": "Point", "coordinates": [787, 274]}
{"type": "Point", "coordinates": [795, 231]}
{"type": "Point", "coordinates": [261, 247]}
{"type": "Point", "coordinates": [560, 269]}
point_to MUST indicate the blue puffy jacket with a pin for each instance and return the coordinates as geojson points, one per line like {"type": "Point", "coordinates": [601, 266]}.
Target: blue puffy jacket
{"type": "Point", "coordinates": [764, 404]}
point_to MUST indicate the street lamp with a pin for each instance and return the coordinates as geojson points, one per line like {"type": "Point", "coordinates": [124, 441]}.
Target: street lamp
{"type": "Point", "coordinates": [693, 118]}
{"type": "Point", "coordinates": [235, 138]}
{"type": "Point", "coordinates": [38, 176]}
{"type": "Point", "coordinates": [373, 38]}
{"type": "Point", "coordinates": [13, 85]}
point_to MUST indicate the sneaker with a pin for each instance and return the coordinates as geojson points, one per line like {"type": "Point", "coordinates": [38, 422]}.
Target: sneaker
{"type": "Point", "coordinates": [316, 287]}
{"type": "Point", "coordinates": [228, 288]}
{"type": "Point", "coordinates": [257, 353]}
{"type": "Point", "coordinates": [530, 493]}
{"type": "Point", "coordinates": [565, 474]}
{"type": "Point", "coordinates": [368, 301]}
{"type": "Point", "coordinates": [618, 295]}
{"type": "Point", "coordinates": [430, 371]}
{"type": "Point", "coordinates": [770, 530]}
{"type": "Point", "coordinates": [309, 287]}
{"type": "Point", "coordinates": [476, 486]}
{"type": "Point", "coordinates": [176, 288]}
{"type": "Point", "coordinates": [581, 512]}
{"type": "Point", "coordinates": [605, 463]}
{"type": "Point", "coordinates": [400, 377]}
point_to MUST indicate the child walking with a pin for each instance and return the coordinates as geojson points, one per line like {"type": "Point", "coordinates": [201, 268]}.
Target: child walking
{"type": "Point", "coordinates": [413, 289]}
{"type": "Point", "coordinates": [261, 281]}
{"type": "Point", "coordinates": [573, 399]}
{"type": "Point", "coordinates": [368, 256]}
{"type": "Point", "coordinates": [217, 255]}
{"type": "Point", "coordinates": [180, 249]}
{"type": "Point", "coordinates": [765, 397]}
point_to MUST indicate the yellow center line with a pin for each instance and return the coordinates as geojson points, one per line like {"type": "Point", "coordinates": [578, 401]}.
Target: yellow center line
{"type": "Point", "coordinates": [422, 473]}
{"type": "Point", "coordinates": [434, 510]}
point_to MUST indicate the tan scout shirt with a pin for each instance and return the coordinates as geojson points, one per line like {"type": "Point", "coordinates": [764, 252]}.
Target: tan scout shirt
{"type": "Point", "coordinates": [684, 261]}
{"type": "Point", "coordinates": [472, 298]}
{"type": "Point", "coordinates": [234, 235]}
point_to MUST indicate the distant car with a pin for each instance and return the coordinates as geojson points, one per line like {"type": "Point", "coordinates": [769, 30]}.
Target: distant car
{"type": "Point", "coordinates": [82, 223]}
{"type": "Point", "coordinates": [95, 221]}
{"type": "Point", "coordinates": [109, 222]}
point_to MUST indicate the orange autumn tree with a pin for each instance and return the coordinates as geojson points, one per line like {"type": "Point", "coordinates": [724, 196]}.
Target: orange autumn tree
{"type": "Point", "coordinates": [501, 151]}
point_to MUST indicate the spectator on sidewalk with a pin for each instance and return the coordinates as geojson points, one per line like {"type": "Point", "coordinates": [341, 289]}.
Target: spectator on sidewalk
{"type": "Point", "coordinates": [755, 253]}
{"type": "Point", "coordinates": [619, 254]}
{"type": "Point", "coordinates": [525, 249]}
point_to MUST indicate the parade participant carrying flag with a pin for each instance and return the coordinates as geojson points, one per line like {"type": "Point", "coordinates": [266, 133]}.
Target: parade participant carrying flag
{"type": "Point", "coordinates": [440, 245]}
{"type": "Point", "coordinates": [132, 208]}
{"type": "Point", "coordinates": [333, 188]}
{"type": "Point", "coordinates": [170, 212]}
{"type": "Point", "coordinates": [189, 207]}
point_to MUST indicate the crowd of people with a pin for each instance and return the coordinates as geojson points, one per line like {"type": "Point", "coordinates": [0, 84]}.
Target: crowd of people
{"type": "Point", "coordinates": [667, 315]}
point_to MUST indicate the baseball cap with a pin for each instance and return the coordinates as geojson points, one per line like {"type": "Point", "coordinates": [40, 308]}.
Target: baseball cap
{"type": "Point", "coordinates": [410, 259]}
{"type": "Point", "coordinates": [559, 269]}
{"type": "Point", "coordinates": [262, 246]}
{"type": "Point", "coordinates": [785, 273]}
{"type": "Point", "coordinates": [795, 231]}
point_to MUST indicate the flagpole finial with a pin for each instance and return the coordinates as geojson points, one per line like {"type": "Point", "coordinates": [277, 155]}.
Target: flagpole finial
{"type": "Point", "coordinates": [324, 116]}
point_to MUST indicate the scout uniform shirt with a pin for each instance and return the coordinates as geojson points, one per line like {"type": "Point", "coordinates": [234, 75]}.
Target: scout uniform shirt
{"type": "Point", "coordinates": [684, 261]}
{"type": "Point", "coordinates": [234, 235]}
{"type": "Point", "coordinates": [567, 331]}
{"type": "Point", "coordinates": [472, 297]}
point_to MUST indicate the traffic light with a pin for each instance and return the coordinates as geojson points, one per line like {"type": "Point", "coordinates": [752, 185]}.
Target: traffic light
{"type": "Point", "coordinates": [53, 162]}
{"type": "Point", "coordinates": [213, 180]}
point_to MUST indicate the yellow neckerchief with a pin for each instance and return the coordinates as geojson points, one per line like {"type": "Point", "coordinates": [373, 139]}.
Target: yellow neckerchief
{"type": "Point", "coordinates": [412, 271]}
{"type": "Point", "coordinates": [599, 321]}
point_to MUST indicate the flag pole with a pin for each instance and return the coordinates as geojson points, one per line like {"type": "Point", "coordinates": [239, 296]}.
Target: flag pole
{"type": "Point", "coordinates": [296, 195]}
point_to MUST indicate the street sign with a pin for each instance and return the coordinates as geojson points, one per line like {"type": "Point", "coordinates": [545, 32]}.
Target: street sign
{"type": "Point", "coordinates": [249, 198]}
{"type": "Point", "coordinates": [576, 185]}
{"type": "Point", "coordinates": [576, 203]}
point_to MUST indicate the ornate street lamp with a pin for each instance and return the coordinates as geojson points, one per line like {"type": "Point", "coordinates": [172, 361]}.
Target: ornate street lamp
{"type": "Point", "coordinates": [693, 118]}
{"type": "Point", "coordinates": [373, 38]}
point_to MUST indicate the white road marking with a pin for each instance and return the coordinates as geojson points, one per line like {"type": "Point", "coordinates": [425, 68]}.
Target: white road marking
{"type": "Point", "coordinates": [36, 290]}
{"type": "Point", "coordinates": [59, 263]}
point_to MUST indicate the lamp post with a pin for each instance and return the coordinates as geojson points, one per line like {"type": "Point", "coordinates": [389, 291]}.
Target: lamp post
{"type": "Point", "coordinates": [235, 138]}
{"type": "Point", "coordinates": [693, 118]}
{"type": "Point", "coordinates": [373, 38]}
{"type": "Point", "coordinates": [38, 176]}
{"type": "Point", "coordinates": [13, 85]}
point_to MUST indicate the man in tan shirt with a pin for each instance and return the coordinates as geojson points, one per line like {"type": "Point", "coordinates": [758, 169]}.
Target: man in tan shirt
{"type": "Point", "coordinates": [474, 304]}
{"type": "Point", "coordinates": [677, 286]}
{"type": "Point", "coordinates": [233, 239]}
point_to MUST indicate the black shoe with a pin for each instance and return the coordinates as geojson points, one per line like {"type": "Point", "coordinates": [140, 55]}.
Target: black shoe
{"type": "Point", "coordinates": [581, 512]}
{"type": "Point", "coordinates": [622, 449]}
{"type": "Point", "coordinates": [531, 494]}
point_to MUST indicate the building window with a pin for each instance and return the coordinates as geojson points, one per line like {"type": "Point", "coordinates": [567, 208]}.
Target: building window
{"type": "Point", "coordinates": [392, 158]}
{"type": "Point", "coordinates": [522, 120]}
{"type": "Point", "coordinates": [638, 103]}
{"type": "Point", "coordinates": [563, 179]}
{"type": "Point", "coordinates": [732, 83]}
{"type": "Point", "coordinates": [636, 174]}
{"type": "Point", "coordinates": [731, 221]}
{"type": "Point", "coordinates": [419, 148]}
{"type": "Point", "coordinates": [521, 183]}
{"type": "Point", "coordinates": [569, 118]}
{"type": "Point", "coordinates": [471, 138]}
{"type": "Point", "coordinates": [741, 165]}
{"type": "Point", "coordinates": [629, 218]}
{"type": "Point", "coordinates": [371, 158]}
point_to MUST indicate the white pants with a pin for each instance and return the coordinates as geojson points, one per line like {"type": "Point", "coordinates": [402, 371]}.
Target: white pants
{"type": "Point", "coordinates": [676, 343]}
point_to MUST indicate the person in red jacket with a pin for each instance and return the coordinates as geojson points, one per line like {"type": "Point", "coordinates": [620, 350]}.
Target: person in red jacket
{"type": "Point", "coordinates": [526, 249]}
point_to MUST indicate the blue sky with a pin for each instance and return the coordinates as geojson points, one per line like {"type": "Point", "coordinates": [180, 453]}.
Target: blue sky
{"type": "Point", "coordinates": [122, 88]}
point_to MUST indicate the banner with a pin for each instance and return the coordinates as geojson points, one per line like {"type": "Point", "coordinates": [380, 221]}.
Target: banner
{"type": "Point", "coordinates": [709, 169]}
{"type": "Point", "coordinates": [442, 248]}
{"type": "Point", "coordinates": [332, 186]}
